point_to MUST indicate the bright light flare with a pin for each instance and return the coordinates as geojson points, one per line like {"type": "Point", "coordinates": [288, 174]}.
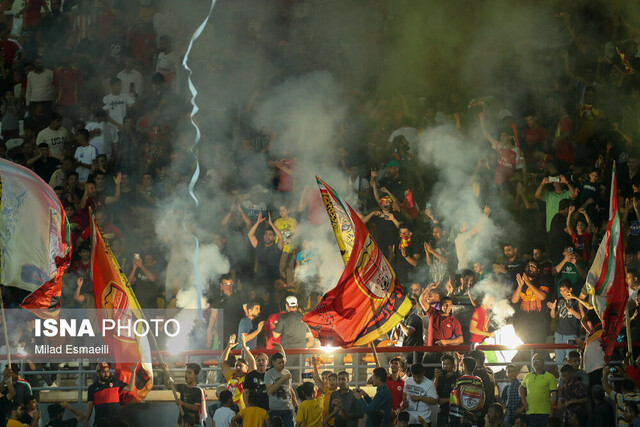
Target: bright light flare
{"type": "Point", "coordinates": [328, 349]}
{"type": "Point", "coordinates": [506, 336]}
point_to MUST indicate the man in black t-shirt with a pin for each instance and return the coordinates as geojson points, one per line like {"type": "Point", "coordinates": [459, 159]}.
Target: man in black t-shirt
{"type": "Point", "coordinates": [105, 393]}
{"type": "Point", "coordinates": [144, 280]}
{"type": "Point", "coordinates": [254, 380]}
{"type": "Point", "coordinates": [404, 257]}
{"type": "Point", "coordinates": [444, 381]}
{"type": "Point", "coordinates": [56, 412]}
{"type": "Point", "coordinates": [386, 225]}
{"type": "Point", "coordinates": [268, 253]}
{"type": "Point", "coordinates": [559, 237]}
{"type": "Point", "coordinates": [192, 398]}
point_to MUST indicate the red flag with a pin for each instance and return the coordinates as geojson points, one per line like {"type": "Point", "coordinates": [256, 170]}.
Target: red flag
{"type": "Point", "coordinates": [368, 301]}
{"type": "Point", "coordinates": [45, 301]}
{"type": "Point", "coordinates": [116, 301]}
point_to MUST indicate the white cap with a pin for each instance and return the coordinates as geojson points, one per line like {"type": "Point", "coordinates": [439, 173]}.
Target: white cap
{"type": "Point", "coordinates": [291, 301]}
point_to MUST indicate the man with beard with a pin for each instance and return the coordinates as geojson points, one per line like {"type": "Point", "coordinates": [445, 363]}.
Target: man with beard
{"type": "Point", "coordinates": [105, 393]}
{"type": "Point", "coordinates": [530, 321]}
{"type": "Point", "coordinates": [444, 380]}
{"type": "Point", "coordinates": [512, 266]}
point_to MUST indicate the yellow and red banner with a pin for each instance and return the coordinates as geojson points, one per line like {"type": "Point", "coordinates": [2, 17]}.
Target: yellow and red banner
{"type": "Point", "coordinates": [368, 301]}
{"type": "Point", "coordinates": [116, 301]}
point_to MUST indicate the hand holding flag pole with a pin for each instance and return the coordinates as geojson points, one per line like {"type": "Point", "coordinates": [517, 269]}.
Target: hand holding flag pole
{"type": "Point", "coordinates": [168, 381]}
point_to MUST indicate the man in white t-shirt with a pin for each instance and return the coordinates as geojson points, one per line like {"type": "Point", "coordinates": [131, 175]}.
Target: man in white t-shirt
{"type": "Point", "coordinates": [419, 395]}
{"type": "Point", "coordinates": [131, 78]}
{"type": "Point", "coordinates": [103, 134]}
{"type": "Point", "coordinates": [117, 103]}
{"type": "Point", "coordinates": [85, 155]}
{"type": "Point", "coordinates": [55, 136]}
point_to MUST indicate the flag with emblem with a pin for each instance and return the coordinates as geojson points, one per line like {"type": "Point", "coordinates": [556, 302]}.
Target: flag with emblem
{"type": "Point", "coordinates": [116, 301]}
{"type": "Point", "coordinates": [35, 239]}
{"type": "Point", "coordinates": [368, 300]}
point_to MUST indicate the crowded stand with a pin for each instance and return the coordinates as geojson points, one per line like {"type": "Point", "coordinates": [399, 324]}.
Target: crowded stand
{"type": "Point", "coordinates": [489, 197]}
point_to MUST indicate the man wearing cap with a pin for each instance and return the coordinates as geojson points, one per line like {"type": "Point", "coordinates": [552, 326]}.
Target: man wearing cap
{"type": "Point", "coordinates": [294, 333]}
{"type": "Point", "coordinates": [105, 393]}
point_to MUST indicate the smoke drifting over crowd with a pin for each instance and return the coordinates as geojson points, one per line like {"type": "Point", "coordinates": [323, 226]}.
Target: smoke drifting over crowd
{"type": "Point", "coordinates": [306, 79]}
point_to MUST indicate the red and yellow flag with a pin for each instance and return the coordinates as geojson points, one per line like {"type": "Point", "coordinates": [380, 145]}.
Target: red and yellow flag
{"type": "Point", "coordinates": [116, 301]}
{"type": "Point", "coordinates": [368, 301]}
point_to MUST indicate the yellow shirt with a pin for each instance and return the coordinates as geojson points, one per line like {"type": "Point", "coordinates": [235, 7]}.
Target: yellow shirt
{"type": "Point", "coordinates": [253, 416]}
{"type": "Point", "coordinates": [327, 402]}
{"type": "Point", "coordinates": [235, 385]}
{"type": "Point", "coordinates": [14, 423]}
{"type": "Point", "coordinates": [286, 227]}
{"type": "Point", "coordinates": [310, 412]}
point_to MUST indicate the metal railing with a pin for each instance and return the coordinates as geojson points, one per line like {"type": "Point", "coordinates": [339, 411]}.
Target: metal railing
{"type": "Point", "coordinates": [358, 362]}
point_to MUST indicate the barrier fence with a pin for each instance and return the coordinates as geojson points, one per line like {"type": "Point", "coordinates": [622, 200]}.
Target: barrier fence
{"type": "Point", "coordinates": [76, 375]}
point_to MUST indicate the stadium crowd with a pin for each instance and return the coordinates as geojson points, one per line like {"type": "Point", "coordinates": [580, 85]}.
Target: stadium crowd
{"type": "Point", "coordinates": [94, 101]}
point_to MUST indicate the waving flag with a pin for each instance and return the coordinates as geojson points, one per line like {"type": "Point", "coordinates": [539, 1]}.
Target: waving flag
{"type": "Point", "coordinates": [368, 301]}
{"type": "Point", "coordinates": [34, 237]}
{"type": "Point", "coordinates": [605, 282]}
{"type": "Point", "coordinates": [115, 300]}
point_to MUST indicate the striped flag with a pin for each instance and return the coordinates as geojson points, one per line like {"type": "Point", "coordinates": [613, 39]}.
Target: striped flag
{"type": "Point", "coordinates": [116, 301]}
{"type": "Point", "coordinates": [606, 285]}
{"type": "Point", "coordinates": [35, 239]}
{"type": "Point", "coordinates": [368, 301]}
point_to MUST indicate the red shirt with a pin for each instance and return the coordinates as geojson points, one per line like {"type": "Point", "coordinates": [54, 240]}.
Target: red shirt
{"type": "Point", "coordinates": [81, 268]}
{"type": "Point", "coordinates": [396, 387]}
{"type": "Point", "coordinates": [582, 243]}
{"type": "Point", "coordinates": [9, 49]}
{"type": "Point", "coordinates": [535, 138]}
{"type": "Point", "coordinates": [634, 374]}
{"type": "Point", "coordinates": [286, 181]}
{"type": "Point", "coordinates": [481, 317]}
{"type": "Point", "coordinates": [442, 327]}
{"type": "Point", "coordinates": [67, 80]}
{"type": "Point", "coordinates": [268, 329]}
{"type": "Point", "coordinates": [564, 150]}
{"type": "Point", "coordinates": [506, 166]}
{"type": "Point", "coordinates": [32, 17]}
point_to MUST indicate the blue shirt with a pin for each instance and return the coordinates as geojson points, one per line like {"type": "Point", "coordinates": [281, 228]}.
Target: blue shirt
{"type": "Point", "coordinates": [380, 402]}
{"type": "Point", "coordinates": [245, 327]}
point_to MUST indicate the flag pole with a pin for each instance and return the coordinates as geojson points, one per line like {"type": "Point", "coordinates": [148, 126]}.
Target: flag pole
{"type": "Point", "coordinates": [627, 321]}
{"type": "Point", "coordinates": [375, 353]}
{"type": "Point", "coordinates": [176, 398]}
{"type": "Point", "coordinates": [6, 334]}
